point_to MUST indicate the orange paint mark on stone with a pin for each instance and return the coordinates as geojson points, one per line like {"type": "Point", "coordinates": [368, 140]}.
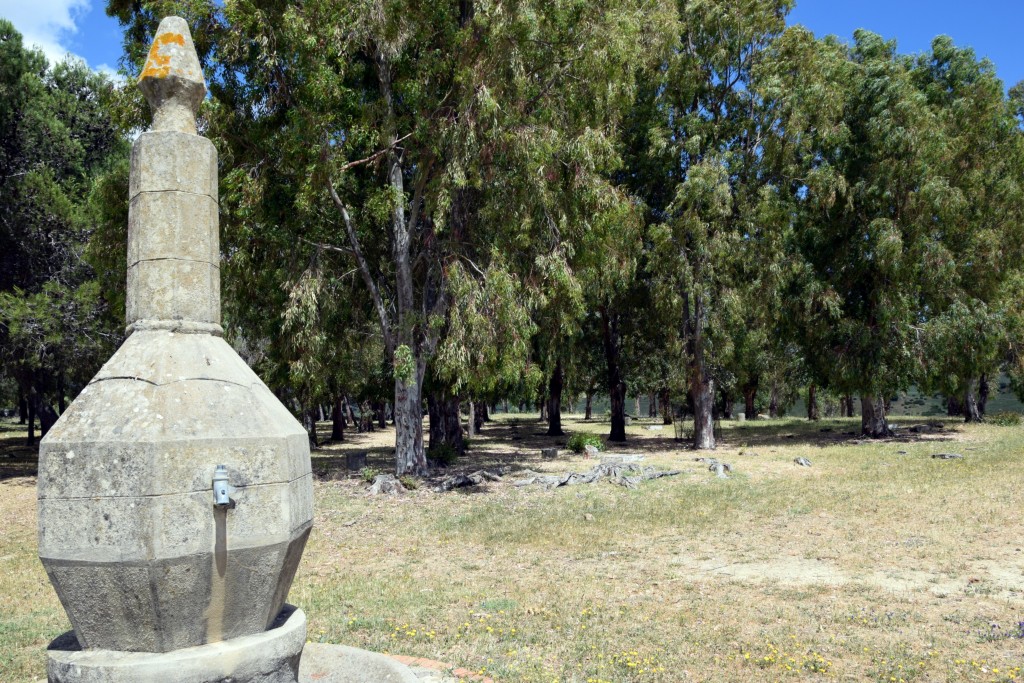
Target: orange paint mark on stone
{"type": "Point", "coordinates": [158, 65]}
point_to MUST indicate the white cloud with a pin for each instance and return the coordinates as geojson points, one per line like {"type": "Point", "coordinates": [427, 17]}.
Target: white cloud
{"type": "Point", "coordinates": [111, 73]}
{"type": "Point", "coordinates": [47, 24]}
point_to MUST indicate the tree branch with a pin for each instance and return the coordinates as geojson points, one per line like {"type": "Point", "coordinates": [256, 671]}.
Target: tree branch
{"type": "Point", "coordinates": [417, 196]}
{"type": "Point", "coordinates": [364, 269]}
{"type": "Point", "coordinates": [328, 247]}
{"type": "Point", "coordinates": [374, 156]}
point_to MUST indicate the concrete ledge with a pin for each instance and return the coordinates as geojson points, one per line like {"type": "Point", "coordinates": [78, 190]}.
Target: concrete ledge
{"type": "Point", "coordinates": [268, 657]}
{"type": "Point", "coordinates": [322, 663]}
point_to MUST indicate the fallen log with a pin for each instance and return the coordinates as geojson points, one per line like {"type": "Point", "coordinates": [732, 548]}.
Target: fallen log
{"type": "Point", "coordinates": [628, 475]}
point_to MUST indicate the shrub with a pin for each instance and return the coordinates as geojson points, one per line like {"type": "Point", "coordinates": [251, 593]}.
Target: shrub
{"type": "Point", "coordinates": [578, 442]}
{"type": "Point", "coordinates": [443, 454]}
{"type": "Point", "coordinates": [1004, 419]}
{"type": "Point", "coordinates": [410, 482]}
{"type": "Point", "coordinates": [370, 473]}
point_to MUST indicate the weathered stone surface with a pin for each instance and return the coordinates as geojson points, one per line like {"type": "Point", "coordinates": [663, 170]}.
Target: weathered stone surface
{"type": "Point", "coordinates": [272, 656]}
{"type": "Point", "coordinates": [129, 535]}
{"type": "Point", "coordinates": [173, 162]}
{"type": "Point", "coordinates": [386, 484]}
{"type": "Point", "coordinates": [179, 225]}
{"type": "Point", "coordinates": [323, 663]}
{"type": "Point", "coordinates": [172, 79]}
{"type": "Point", "coordinates": [173, 289]}
{"type": "Point", "coordinates": [549, 453]}
{"type": "Point", "coordinates": [127, 530]}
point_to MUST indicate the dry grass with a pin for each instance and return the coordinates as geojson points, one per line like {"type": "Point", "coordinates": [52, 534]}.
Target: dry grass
{"type": "Point", "coordinates": [872, 565]}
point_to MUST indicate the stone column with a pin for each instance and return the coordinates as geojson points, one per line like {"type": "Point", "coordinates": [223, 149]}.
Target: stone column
{"type": "Point", "coordinates": [155, 574]}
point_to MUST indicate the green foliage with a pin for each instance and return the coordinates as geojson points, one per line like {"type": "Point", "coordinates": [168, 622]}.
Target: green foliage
{"type": "Point", "coordinates": [405, 364]}
{"type": "Point", "coordinates": [679, 195]}
{"type": "Point", "coordinates": [578, 442]}
{"type": "Point", "coordinates": [1004, 419]}
{"type": "Point", "coordinates": [410, 482]}
{"type": "Point", "coordinates": [57, 147]}
{"type": "Point", "coordinates": [368, 474]}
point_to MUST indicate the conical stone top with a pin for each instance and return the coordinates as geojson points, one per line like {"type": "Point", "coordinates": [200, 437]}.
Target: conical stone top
{"type": "Point", "coordinates": [172, 79]}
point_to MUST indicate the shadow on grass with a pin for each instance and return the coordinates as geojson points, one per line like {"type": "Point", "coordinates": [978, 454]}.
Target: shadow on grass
{"type": "Point", "coordinates": [16, 459]}
{"type": "Point", "coordinates": [827, 433]}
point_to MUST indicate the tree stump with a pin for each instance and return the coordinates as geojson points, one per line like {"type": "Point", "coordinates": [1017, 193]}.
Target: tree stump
{"type": "Point", "coordinates": [355, 461]}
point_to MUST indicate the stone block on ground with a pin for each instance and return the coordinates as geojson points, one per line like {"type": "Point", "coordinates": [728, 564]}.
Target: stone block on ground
{"type": "Point", "coordinates": [549, 453]}
{"type": "Point", "coordinates": [355, 461]}
{"type": "Point", "coordinates": [324, 663]}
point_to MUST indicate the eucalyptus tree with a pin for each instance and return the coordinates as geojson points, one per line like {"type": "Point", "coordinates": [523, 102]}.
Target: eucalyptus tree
{"type": "Point", "coordinates": [705, 183]}
{"type": "Point", "coordinates": [868, 186]}
{"type": "Point", "coordinates": [977, 236]}
{"type": "Point", "coordinates": [432, 135]}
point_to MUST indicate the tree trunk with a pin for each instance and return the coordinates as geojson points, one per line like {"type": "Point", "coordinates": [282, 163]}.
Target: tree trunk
{"type": "Point", "coordinates": [983, 390]}
{"type": "Point", "coordinates": [652, 404]}
{"type": "Point", "coordinates": [555, 400]}
{"type": "Point", "coordinates": [47, 417]}
{"type": "Point", "coordinates": [749, 396]}
{"type": "Point", "coordinates": [366, 417]}
{"type": "Point", "coordinates": [872, 418]}
{"type": "Point", "coordinates": [589, 411]}
{"type": "Point", "coordinates": [666, 406]}
{"type": "Point", "coordinates": [953, 407]}
{"type": "Point", "coordinates": [309, 422]}
{"type": "Point", "coordinates": [726, 412]}
{"type": "Point", "coordinates": [338, 419]}
{"type": "Point", "coordinates": [703, 412]}
{"type": "Point", "coordinates": [504, 406]}
{"type": "Point", "coordinates": [410, 458]}
{"type": "Point", "coordinates": [636, 406]}
{"type": "Point", "coordinates": [478, 418]}
{"type": "Point", "coordinates": [702, 386]}
{"type": "Point", "coordinates": [378, 409]}
{"type": "Point", "coordinates": [61, 406]}
{"type": "Point", "coordinates": [22, 406]}
{"type": "Point", "coordinates": [971, 412]}
{"type": "Point", "coordinates": [812, 403]}
{"type": "Point", "coordinates": [445, 421]}
{"type": "Point", "coordinates": [773, 403]}
{"type": "Point", "coordinates": [616, 385]}
{"type": "Point", "coordinates": [471, 426]}
{"type": "Point", "coordinates": [31, 410]}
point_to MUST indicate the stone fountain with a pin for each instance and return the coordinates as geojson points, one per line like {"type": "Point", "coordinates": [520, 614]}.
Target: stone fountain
{"type": "Point", "coordinates": [175, 493]}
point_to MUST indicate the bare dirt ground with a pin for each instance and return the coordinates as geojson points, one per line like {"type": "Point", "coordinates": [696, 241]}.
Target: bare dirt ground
{"type": "Point", "coordinates": [878, 563]}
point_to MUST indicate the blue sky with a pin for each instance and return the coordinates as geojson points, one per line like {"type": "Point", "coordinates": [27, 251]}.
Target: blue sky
{"type": "Point", "coordinates": [991, 27]}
